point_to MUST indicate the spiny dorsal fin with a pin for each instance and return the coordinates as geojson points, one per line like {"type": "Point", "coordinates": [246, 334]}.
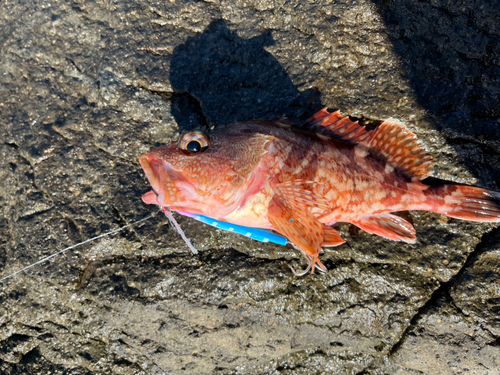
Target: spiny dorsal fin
{"type": "Point", "coordinates": [391, 141]}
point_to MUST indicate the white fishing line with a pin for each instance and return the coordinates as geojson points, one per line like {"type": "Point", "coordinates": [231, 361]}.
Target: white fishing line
{"type": "Point", "coordinates": [178, 228]}
{"type": "Point", "coordinates": [79, 244]}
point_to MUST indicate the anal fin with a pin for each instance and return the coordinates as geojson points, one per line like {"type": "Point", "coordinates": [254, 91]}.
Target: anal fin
{"type": "Point", "coordinates": [387, 225]}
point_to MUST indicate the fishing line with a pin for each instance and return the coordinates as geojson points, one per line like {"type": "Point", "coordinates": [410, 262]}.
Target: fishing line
{"type": "Point", "coordinates": [178, 228]}
{"type": "Point", "coordinates": [79, 244]}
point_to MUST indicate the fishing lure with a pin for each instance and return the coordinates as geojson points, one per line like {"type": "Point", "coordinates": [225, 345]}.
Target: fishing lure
{"type": "Point", "coordinates": [258, 234]}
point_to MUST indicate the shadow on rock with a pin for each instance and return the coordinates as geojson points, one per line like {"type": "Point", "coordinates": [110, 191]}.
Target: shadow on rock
{"type": "Point", "coordinates": [451, 52]}
{"type": "Point", "coordinates": [219, 77]}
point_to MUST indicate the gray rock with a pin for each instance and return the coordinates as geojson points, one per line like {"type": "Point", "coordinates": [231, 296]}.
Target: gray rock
{"type": "Point", "coordinates": [87, 87]}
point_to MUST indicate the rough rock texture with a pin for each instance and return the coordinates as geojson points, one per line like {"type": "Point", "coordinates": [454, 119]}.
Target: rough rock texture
{"type": "Point", "coordinates": [86, 87]}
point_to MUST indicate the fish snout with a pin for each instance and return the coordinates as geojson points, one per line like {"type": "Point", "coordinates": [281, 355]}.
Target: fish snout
{"type": "Point", "coordinates": [159, 178]}
{"type": "Point", "coordinates": [148, 162]}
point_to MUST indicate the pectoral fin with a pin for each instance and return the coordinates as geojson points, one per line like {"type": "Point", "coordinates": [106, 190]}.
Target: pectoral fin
{"type": "Point", "coordinates": [298, 224]}
{"type": "Point", "coordinates": [389, 226]}
{"type": "Point", "coordinates": [299, 192]}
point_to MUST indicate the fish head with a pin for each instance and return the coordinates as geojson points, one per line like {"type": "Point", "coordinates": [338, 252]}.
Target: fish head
{"type": "Point", "coordinates": [197, 174]}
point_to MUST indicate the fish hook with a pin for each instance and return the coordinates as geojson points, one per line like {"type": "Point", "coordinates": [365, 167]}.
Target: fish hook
{"type": "Point", "coordinates": [321, 266]}
{"type": "Point", "coordinates": [303, 272]}
{"type": "Point", "coordinates": [309, 265]}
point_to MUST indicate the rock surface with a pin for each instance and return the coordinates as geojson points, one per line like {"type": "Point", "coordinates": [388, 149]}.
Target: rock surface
{"type": "Point", "coordinates": [86, 87]}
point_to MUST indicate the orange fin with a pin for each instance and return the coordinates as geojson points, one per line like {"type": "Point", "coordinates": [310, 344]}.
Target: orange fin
{"type": "Point", "coordinates": [297, 192]}
{"type": "Point", "coordinates": [331, 237]}
{"type": "Point", "coordinates": [391, 141]}
{"type": "Point", "coordinates": [298, 224]}
{"type": "Point", "coordinates": [401, 148]}
{"type": "Point", "coordinates": [387, 225]}
{"type": "Point", "coordinates": [468, 203]}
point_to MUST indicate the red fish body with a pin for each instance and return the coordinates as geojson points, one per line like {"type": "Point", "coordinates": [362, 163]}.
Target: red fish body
{"type": "Point", "coordinates": [299, 180]}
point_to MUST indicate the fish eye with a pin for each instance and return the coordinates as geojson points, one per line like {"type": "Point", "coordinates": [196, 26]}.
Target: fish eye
{"type": "Point", "coordinates": [194, 142]}
{"type": "Point", "coordinates": [194, 146]}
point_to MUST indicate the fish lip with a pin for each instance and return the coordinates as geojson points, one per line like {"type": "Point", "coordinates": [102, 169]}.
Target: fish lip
{"type": "Point", "coordinates": [147, 162]}
{"type": "Point", "coordinates": [161, 177]}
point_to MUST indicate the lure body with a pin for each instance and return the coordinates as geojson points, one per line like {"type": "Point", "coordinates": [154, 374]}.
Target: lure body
{"type": "Point", "coordinates": [300, 179]}
{"type": "Point", "coordinates": [263, 235]}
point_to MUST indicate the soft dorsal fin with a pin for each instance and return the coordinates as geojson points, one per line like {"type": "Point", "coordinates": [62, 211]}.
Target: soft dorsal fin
{"type": "Point", "coordinates": [391, 141]}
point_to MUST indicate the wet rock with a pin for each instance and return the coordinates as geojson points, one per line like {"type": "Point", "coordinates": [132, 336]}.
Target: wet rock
{"type": "Point", "coordinates": [87, 87]}
{"type": "Point", "coordinates": [476, 292]}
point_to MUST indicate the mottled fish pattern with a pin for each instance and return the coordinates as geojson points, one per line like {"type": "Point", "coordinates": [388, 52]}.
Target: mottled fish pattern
{"type": "Point", "coordinates": [299, 179]}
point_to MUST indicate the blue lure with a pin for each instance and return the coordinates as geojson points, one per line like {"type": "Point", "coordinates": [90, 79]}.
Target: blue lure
{"type": "Point", "coordinates": [258, 234]}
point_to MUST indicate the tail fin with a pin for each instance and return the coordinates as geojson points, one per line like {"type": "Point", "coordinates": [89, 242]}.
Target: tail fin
{"type": "Point", "coordinates": [468, 203]}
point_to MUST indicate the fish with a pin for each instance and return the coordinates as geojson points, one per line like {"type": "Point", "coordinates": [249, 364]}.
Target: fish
{"type": "Point", "coordinates": [298, 179]}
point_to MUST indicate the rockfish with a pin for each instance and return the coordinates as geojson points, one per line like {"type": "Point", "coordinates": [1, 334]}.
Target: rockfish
{"type": "Point", "coordinates": [299, 179]}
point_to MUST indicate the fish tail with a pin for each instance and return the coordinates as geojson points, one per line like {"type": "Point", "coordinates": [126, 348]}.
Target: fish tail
{"type": "Point", "coordinates": [467, 202]}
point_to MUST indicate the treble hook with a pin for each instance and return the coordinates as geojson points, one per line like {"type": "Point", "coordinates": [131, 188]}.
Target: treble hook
{"type": "Point", "coordinates": [303, 272]}
{"type": "Point", "coordinates": [309, 264]}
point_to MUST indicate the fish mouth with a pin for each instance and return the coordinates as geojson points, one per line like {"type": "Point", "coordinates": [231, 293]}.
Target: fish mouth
{"type": "Point", "coordinates": [164, 193]}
